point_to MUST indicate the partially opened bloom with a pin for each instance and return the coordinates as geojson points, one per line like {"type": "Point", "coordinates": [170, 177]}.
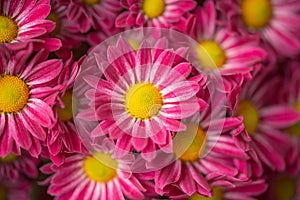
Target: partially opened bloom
{"type": "Point", "coordinates": [12, 166]}
{"type": "Point", "coordinates": [24, 21]}
{"type": "Point", "coordinates": [157, 13]}
{"type": "Point", "coordinates": [276, 21]}
{"type": "Point", "coordinates": [99, 14]}
{"type": "Point", "coordinates": [26, 97]}
{"type": "Point", "coordinates": [99, 175]}
{"type": "Point", "coordinates": [220, 47]}
{"type": "Point", "coordinates": [264, 120]}
{"type": "Point", "coordinates": [142, 96]}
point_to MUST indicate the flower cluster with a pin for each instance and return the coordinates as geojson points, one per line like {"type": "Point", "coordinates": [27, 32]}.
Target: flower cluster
{"type": "Point", "coordinates": [150, 99]}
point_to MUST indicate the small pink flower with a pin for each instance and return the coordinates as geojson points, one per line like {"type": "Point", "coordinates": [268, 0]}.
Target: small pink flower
{"type": "Point", "coordinates": [24, 21]}
{"type": "Point", "coordinates": [157, 13]}
{"type": "Point", "coordinates": [26, 99]}
{"type": "Point", "coordinates": [94, 176]}
{"type": "Point", "coordinates": [276, 21]}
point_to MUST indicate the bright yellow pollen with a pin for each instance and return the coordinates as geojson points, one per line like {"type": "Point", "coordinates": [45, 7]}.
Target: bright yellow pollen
{"type": "Point", "coordinates": [256, 13]}
{"type": "Point", "coordinates": [143, 101]}
{"type": "Point", "coordinates": [9, 158]}
{"type": "Point", "coordinates": [14, 94]}
{"type": "Point", "coordinates": [66, 114]}
{"type": "Point", "coordinates": [295, 129]}
{"type": "Point", "coordinates": [90, 2]}
{"type": "Point", "coordinates": [100, 167]}
{"type": "Point", "coordinates": [8, 29]}
{"type": "Point", "coordinates": [218, 194]}
{"type": "Point", "coordinates": [195, 149]}
{"type": "Point", "coordinates": [211, 55]}
{"type": "Point", "coordinates": [153, 8]}
{"type": "Point", "coordinates": [250, 115]}
{"type": "Point", "coordinates": [53, 17]}
{"type": "Point", "coordinates": [284, 187]}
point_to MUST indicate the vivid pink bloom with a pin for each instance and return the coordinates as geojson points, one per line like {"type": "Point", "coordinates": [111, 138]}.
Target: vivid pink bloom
{"type": "Point", "coordinates": [12, 166]}
{"type": "Point", "coordinates": [264, 121]}
{"type": "Point", "coordinates": [97, 176]}
{"type": "Point", "coordinates": [26, 99]}
{"type": "Point", "coordinates": [142, 96]}
{"type": "Point", "coordinates": [24, 21]}
{"type": "Point", "coordinates": [211, 150]}
{"type": "Point", "coordinates": [276, 21]}
{"type": "Point", "coordinates": [99, 14]}
{"type": "Point", "coordinates": [229, 52]}
{"type": "Point", "coordinates": [157, 13]}
{"type": "Point", "coordinates": [19, 189]}
{"type": "Point", "coordinates": [63, 137]}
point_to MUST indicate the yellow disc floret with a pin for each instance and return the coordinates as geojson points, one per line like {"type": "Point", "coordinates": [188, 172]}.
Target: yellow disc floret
{"type": "Point", "coordinates": [218, 194]}
{"type": "Point", "coordinates": [8, 29]}
{"type": "Point", "coordinates": [100, 167]}
{"type": "Point", "coordinates": [211, 54]}
{"type": "Point", "coordinates": [256, 13]}
{"type": "Point", "coordinates": [66, 113]}
{"type": "Point", "coordinates": [250, 115]}
{"type": "Point", "coordinates": [195, 137]}
{"type": "Point", "coordinates": [153, 8]}
{"type": "Point", "coordinates": [143, 101]}
{"type": "Point", "coordinates": [14, 94]}
{"type": "Point", "coordinates": [91, 2]}
{"type": "Point", "coordinates": [9, 158]}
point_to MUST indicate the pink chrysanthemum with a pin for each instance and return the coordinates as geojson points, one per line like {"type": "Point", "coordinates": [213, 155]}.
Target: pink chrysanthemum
{"type": "Point", "coordinates": [229, 52]}
{"type": "Point", "coordinates": [12, 166]}
{"type": "Point", "coordinates": [142, 96]}
{"type": "Point", "coordinates": [19, 189]}
{"type": "Point", "coordinates": [264, 121]}
{"type": "Point", "coordinates": [276, 21]}
{"type": "Point", "coordinates": [212, 150]}
{"type": "Point", "coordinates": [157, 13]}
{"type": "Point", "coordinates": [99, 14]}
{"type": "Point", "coordinates": [24, 21]}
{"type": "Point", "coordinates": [97, 176]}
{"type": "Point", "coordinates": [26, 97]}
{"type": "Point", "coordinates": [62, 137]}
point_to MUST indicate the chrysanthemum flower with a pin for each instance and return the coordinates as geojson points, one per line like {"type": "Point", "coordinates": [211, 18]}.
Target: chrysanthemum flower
{"type": "Point", "coordinates": [142, 97]}
{"type": "Point", "coordinates": [19, 189]}
{"type": "Point", "coordinates": [25, 100]}
{"type": "Point", "coordinates": [96, 176]}
{"type": "Point", "coordinates": [100, 14]}
{"type": "Point", "coordinates": [275, 20]}
{"type": "Point", "coordinates": [212, 150]}
{"type": "Point", "coordinates": [263, 121]}
{"type": "Point", "coordinates": [24, 21]}
{"type": "Point", "coordinates": [62, 137]}
{"type": "Point", "coordinates": [12, 166]}
{"type": "Point", "coordinates": [157, 13]}
{"type": "Point", "coordinates": [229, 52]}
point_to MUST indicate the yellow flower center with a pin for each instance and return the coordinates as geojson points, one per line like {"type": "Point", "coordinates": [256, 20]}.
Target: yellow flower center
{"type": "Point", "coordinates": [195, 149]}
{"type": "Point", "coordinates": [66, 114]}
{"type": "Point", "coordinates": [295, 129]}
{"type": "Point", "coordinates": [284, 187]}
{"type": "Point", "coordinates": [143, 101]}
{"type": "Point", "coordinates": [8, 29]}
{"type": "Point", "coordinates": [256, 13]}
{"type": "Point", "coordinates": [8, 159]}
{"type": "Point", "coordinates": [210, 54]}
{"type": "Point", "coordinates": [153, 8]}
{"type": "Point", "coordinates": [250, 115]}
{"type": "Point", "coordinates": [3, 192]}
{"type": "Point", "coordinates": [218, 194]}
{"type": "Point", "coordinates": [14, 94]}
{"type": "Point", "coordinates": [90, 2]}
{"type": "Point", "coordinates": [100, 167]}
{"type": "Point", "coordinates": [53, 17]}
